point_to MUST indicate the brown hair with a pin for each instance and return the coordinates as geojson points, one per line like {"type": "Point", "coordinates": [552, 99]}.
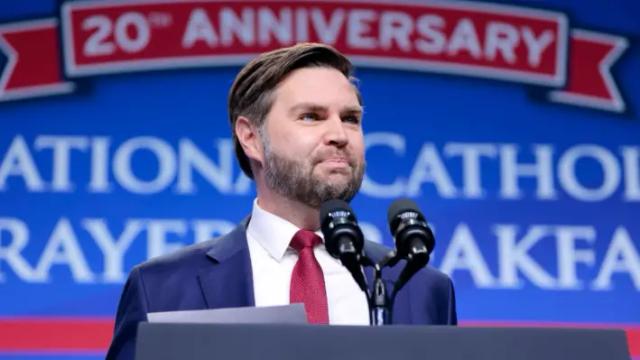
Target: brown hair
{"type": "Point", "coordinates": [251, 94]}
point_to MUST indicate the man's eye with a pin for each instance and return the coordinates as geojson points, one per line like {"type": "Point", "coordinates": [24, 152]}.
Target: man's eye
{"type": "Point", "coordinates": [353, 119]}
{"type": "Point", "coordinates": [309, 117]}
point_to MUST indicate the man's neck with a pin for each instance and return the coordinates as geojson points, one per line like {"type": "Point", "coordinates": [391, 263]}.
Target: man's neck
{"type": "Point", "coordinates": [297, 213]}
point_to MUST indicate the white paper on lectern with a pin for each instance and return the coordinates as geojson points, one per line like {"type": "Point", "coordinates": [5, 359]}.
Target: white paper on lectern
{"type": "Point", "coordinates": [285, 314]}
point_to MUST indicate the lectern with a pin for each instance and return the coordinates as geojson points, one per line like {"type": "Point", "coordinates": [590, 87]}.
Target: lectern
{"type": "Point", "coordinates": [313, 342]}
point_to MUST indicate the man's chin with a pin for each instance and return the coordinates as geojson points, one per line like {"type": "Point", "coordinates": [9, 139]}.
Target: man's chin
{"type": "Point", "coordinates": [336, 179]}
{"type": "Point", "coordinates": [336, 184]}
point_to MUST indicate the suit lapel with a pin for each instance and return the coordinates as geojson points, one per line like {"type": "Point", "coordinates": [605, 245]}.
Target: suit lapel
{"type": "Point", "coordinates": [228, 281]}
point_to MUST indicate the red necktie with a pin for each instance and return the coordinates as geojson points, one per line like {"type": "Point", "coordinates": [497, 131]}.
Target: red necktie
{"type": "Point", "coordinates": [307, 280]}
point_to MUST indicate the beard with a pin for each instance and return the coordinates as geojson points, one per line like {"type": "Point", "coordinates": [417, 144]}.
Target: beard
{"type": "Point", "coordinates": [294, 179]}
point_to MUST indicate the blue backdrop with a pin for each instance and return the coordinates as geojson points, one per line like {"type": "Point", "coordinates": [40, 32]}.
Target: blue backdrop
{"type": "Point", "coordinates": [535, 201]}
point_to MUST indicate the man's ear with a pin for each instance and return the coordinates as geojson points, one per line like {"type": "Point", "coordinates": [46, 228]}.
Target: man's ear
{"type": "Point", "coordinates": [249, 139]}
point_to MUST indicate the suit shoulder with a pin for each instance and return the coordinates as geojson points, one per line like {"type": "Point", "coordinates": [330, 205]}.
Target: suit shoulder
{"type": "Point", "coordinates": [436, 274]}
{"type": "Point", "coordinates": [178, 257]}
{"type": "Point", "coordinates": [191, 256]}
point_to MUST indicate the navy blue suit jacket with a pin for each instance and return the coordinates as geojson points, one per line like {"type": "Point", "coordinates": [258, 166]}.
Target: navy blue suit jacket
{"type": "Point", "coordinates": [217, 274]}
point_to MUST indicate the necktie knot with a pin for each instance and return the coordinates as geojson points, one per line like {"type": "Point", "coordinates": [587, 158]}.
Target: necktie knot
{"type": "Point", "coordinates": [304, 239]}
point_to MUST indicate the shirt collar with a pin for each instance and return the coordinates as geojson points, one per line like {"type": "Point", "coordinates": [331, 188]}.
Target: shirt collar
{"type": "Point", "coordinates": [271, 231]}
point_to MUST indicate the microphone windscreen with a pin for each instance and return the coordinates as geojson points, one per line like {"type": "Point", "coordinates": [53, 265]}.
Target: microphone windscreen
{"type": "Point", "coordinates": [333, 205]}
{"type": "Point", "coordinates": [398, 207]}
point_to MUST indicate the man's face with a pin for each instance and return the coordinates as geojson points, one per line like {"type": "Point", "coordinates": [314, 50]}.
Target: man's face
{"type": "Point", "coordinates": [312, 138]}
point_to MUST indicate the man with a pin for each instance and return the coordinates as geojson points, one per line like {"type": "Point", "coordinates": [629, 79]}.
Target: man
{"type": "Point", "coordinates": [296, 118]}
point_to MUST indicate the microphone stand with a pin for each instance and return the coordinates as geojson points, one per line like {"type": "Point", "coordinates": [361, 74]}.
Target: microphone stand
{"type": "Point", "coordinates": [376, 300]}
{"type": "Point", "coordinates": [379, 302]}
{"type": "Point", "coordinates": [380, 307]}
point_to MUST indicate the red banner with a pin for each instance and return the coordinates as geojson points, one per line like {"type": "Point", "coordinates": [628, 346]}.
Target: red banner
{"type": "Point", "coordinates": [25, 75]}
{"type": "Point", "coordinates": [470, 39]}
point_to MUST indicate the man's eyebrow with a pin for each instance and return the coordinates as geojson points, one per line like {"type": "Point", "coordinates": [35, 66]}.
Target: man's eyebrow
{"type": "Point", "coordinates": [352, 110]}
{"type": "Point", "coordinates": [322, 108]}
{"type": "Point", "coordinates": [307, 107]}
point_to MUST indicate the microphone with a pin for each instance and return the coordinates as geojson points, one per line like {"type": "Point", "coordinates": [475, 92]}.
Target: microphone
{"type": "Point", "coordinates": [413, 238]}
{"type": "Point", "coordinates": [343, 238]}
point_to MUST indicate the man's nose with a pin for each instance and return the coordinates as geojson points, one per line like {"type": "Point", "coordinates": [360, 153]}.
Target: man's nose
{"type": "Point", "coordinates": [336, 133]}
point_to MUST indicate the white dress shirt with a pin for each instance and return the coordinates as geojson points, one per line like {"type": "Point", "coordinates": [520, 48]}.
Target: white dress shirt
{"type": "Point", "coordinates": [272, 261]}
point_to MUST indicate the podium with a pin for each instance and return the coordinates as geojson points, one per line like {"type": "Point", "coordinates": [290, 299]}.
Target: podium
{"type": "Point", "coordinates": [313, 342]}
